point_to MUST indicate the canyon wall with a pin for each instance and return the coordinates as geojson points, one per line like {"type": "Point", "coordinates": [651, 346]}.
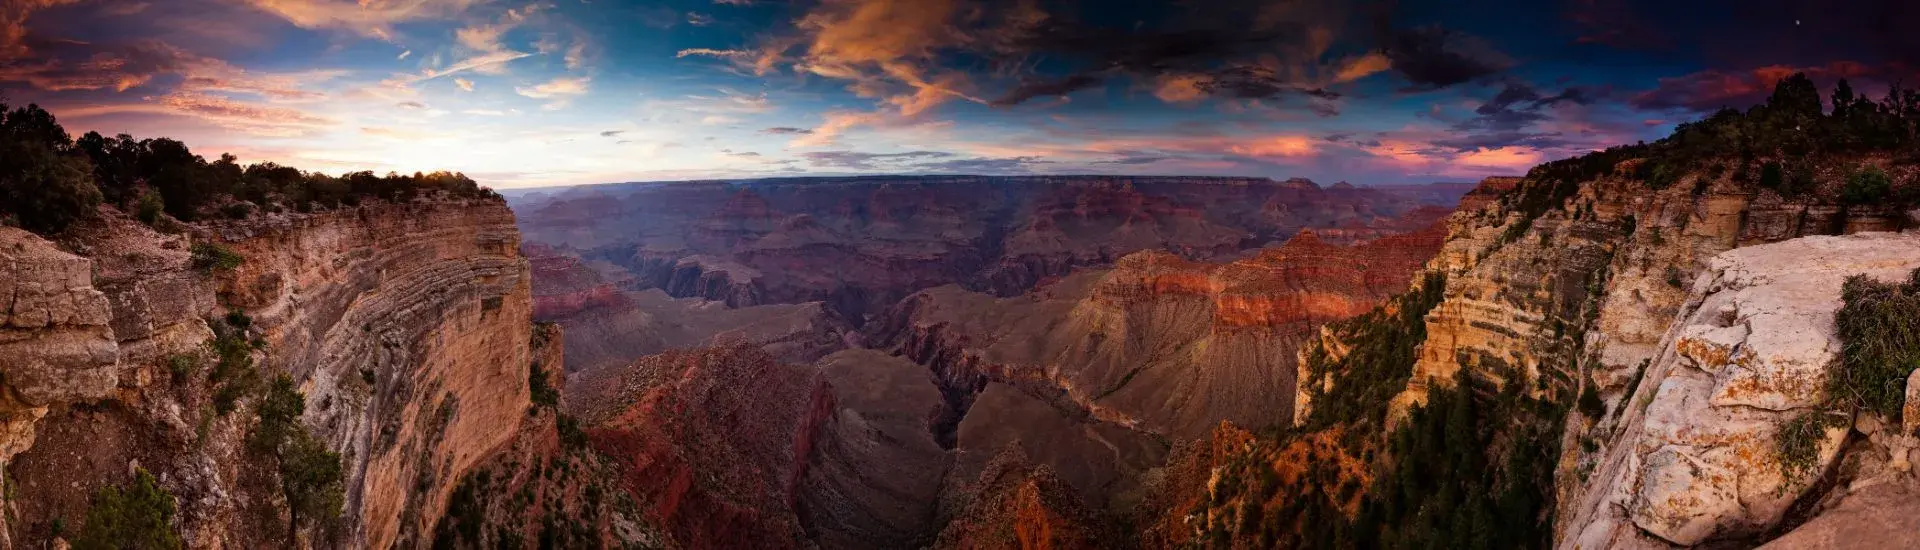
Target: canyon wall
{"type": "Point", "coordinates": [405, 326]}
{"type": "Point", "coordinates": [856, 246]}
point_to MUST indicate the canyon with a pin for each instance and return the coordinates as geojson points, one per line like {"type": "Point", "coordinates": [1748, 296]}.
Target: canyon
{"type": "Point", "coordinates": [991, 351]}
{"type": "Point", "coordinates": [974, 362]}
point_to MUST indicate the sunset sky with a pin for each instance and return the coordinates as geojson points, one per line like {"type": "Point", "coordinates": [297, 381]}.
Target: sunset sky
{"type": "Point", "coordinates": [519, 93]}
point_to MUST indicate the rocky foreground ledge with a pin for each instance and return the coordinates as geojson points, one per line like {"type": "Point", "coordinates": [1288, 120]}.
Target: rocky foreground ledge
{"type": "Point", "coordinates": [1690, 455]}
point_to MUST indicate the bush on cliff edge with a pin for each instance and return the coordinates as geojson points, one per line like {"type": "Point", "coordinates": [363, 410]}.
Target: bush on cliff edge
{"type": "Point", "coordinates": [1879, 328]}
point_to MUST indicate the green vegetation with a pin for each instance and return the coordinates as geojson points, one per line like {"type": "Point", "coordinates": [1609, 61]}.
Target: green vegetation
{"type": "Point", "coordinates": [139, 516]}
{"type": "Point", "coordinates": [233, 375]}
{"type": "Point", "coordinates": [48, 180]}
{"type": "Point", "coordinates": [1470, 470]}
{"type": "Point", "coordinates": [209, 256]}
{"type": "Point", "coordinates": [44, 186]}
{"type": "Point", "coordinates": [543, 394]}
{"type": "Point", "coordinates": [1866, 185]}
{"type": "Point", "coordinates": [1798, 441]}
{"type": "Point", "coordinates": [1379, 363]}
{"type": "Point", "coordinates": [311, 477]}
{"type": "Point", "coordinates": [1879, 327]}
{"type": "Point", "coordinates": [1790, 126]}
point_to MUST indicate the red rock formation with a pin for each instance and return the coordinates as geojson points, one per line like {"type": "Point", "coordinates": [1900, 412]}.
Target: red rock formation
{"type": "Point", "coordinates": [713, 442]}
{"type": "Point", "coordinates": [1015, 504]}
{"type": "Point", "coordinates": [1158, 342]}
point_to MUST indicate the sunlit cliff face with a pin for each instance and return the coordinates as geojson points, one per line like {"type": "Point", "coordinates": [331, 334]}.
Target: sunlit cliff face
{"type": "Point", "coordinates": [524, 92]}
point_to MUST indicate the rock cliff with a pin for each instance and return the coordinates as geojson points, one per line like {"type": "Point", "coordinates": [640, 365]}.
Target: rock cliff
{"type": "Point", "coordinates": [405, 326]}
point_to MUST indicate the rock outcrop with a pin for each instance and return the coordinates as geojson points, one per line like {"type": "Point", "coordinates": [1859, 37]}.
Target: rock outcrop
{"type": "Point", "coordinates": [727, 447]}
{"type": "Point", "coordinates": [1694, 458]}
{"type": "Point", "coordinates": [405, 326]}
{"type": "Point", "coordinates": [1014, 504]}
{"type": "Point", "coordinates": [56, 344]}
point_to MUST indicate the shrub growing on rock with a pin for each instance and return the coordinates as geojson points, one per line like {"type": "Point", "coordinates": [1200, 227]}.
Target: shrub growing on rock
{"type": "Point", "coordinates": [1879, 329]}
{"type": "Point", "coordinates": [209, 256]}
{"type": "Point", "coordinates": [1866, 185]}
{"type": "Point", "coordinates": [139, 516]}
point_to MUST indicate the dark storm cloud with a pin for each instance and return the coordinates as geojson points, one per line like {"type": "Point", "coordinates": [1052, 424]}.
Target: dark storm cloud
{"type": "Point", "coordinates": [1040, 88]}
{"type": "Point", "coordinates": [1257, 82]}
{"type": "Point", "coordinates": [1496, 140]}
{"type": "Point", "coordinates": [1432, 57]}
{"type": "Point", "coordinates": [1517, 106]}
{"type": "Point", "coordinates": [1240, 49]}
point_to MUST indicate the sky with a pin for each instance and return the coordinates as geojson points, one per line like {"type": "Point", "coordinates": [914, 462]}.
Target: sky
{"type": "Point", "coordinates": [520, 93]}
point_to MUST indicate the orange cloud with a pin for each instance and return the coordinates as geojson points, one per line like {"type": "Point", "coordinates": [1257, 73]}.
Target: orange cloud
{"type": "Point", "coordinates": [13, 22]}
{"type": "Point", "coordinates": [372, 18]}
{"type": "Point", "coordinates": [556, 88]}
{"type": "Point", "coordinates": [1363, 67]}
{"type": "Point", "coordinates": [1276, 146]}
{"type": "Point", "coordinates": [836, 123]}
{"type": "Point", "coordinates": [1518, 159]}
{"type": "Point", "coordinates": [1181, 88]}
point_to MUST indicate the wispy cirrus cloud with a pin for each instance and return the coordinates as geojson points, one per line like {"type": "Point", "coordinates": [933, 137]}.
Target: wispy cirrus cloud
{"type": "Point", "coordinates": [371, 18]}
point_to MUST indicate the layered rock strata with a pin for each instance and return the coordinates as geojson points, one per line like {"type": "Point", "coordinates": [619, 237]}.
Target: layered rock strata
{"type": "Point", "coordinates": [405, 325]}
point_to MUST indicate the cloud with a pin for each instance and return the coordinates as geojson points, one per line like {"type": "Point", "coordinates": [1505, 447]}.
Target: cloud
{"type": "Point", "coordinates": [464, 84]}
{"type": "Point", "coordinates": [709, 52]}
{"type": "Point", "coordinates": [484, 112]}
{"type": "Point", "coordinates": [983, 166]}
{"type": "Point", "coordinates": [412, 105]}
{"type": "Point", "coordinates": [725, 108]}
{"type": "Point", "coordinates": [1275, 146]}
{"type": "Point", "coordinates": [698, 19]}
{"type": "Point", "coordinates": [838, 122]}
{"type": "Point", "coordinates": [1517, 106]}
{"type": "Point", "coordinates": [239, 116]}
{"type": "Point", "coordinates": [482, 63]}
{"type": "Point", "coordinates": [1132, 160]}
{"type": "Point", "coordinates": [1502, 139]}
{"type": "Point", "coordinates": [1432, 57]}
{"type": "Point", "coordinates": [557, 88]}
{"type": "Point", "coordinates": [371, 18]}
{"type": "Point", "coordinates": [866, 161]}
{"type": "Point", "coordinates": [786, 130]}
{"type": "Point", "coordinates": [1057, 87]}
{"type": "Point", "coordinates": [612, 133]}
{"type": "Point", "coordinates": [78, 66]}
{"type": "Point", "coordinates": [123, 9]}
{"type": "Point", "coordinates": [13, 22]}
{"type": "Point", "coordinates": [1712, 89]}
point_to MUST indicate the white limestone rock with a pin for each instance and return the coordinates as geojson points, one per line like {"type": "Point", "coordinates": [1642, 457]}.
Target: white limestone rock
{"type": "Point", "coordinates": [1749, 352]}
